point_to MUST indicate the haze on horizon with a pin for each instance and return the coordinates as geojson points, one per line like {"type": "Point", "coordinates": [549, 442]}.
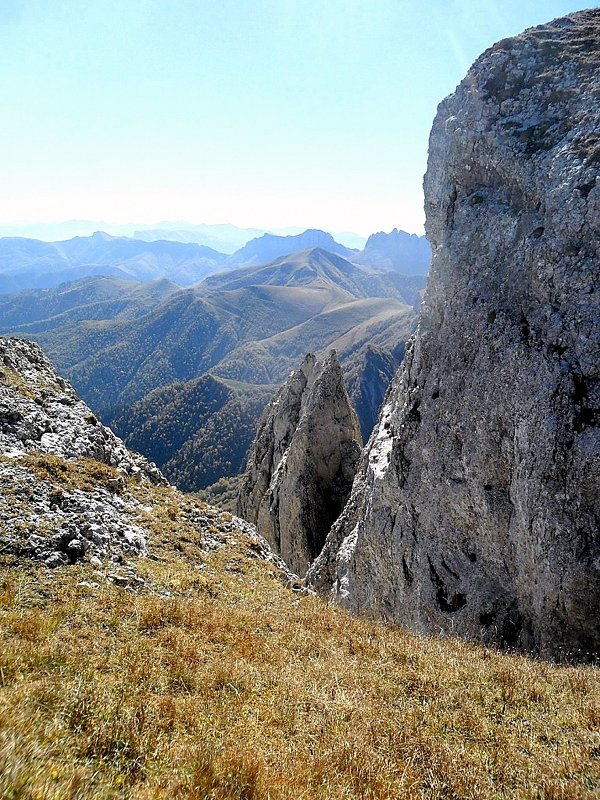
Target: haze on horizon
{"type": "Point", "coordinates": [259, 113]}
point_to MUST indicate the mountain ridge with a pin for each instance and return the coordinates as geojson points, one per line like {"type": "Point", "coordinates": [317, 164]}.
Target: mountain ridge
{"type": "Point", "coordinates": [30, 263]}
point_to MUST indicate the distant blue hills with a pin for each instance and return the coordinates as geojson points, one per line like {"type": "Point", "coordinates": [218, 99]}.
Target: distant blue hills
{"type": "Point", "coordinates": [30, 263]}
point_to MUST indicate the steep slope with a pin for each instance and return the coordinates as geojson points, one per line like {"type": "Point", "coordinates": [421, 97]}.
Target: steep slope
{"type": "Point", "coordinates": [403, 252]}
{"type": "Point", "coordinates": [44, 510]}
{"type": "Point", "coordinates": [476, 507]}
{"type": "Point", "coordinates": [302, 462]}
{"type": "Point", "coordinates": [197, 431]}
{"type": "Point", "coordinates": [29, 263]}
{"type": "Point", "coordinates": [40, 412]}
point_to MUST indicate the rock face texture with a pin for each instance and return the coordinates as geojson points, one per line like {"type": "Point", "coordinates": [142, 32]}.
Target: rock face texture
{"type": "Point", "coordinates": [43, 425]}
{"type": "Point", "coordinates": [40, 412]}
{"type": "Point", "coordinates": [302, 462]}
{"type": "Point", "coordinates": [476, 507]}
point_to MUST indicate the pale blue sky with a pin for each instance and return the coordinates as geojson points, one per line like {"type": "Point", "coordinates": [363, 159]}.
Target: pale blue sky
{"type": "Point", "coordinates": [257, 112]}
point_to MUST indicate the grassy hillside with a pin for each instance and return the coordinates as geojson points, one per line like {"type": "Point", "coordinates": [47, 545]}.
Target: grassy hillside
{"type": "Point", "coordinates": [98, 298]}
{"type": "Point", "coordinates": [345, 328]}
{"type": "Point", "coordinates": [317, 267]}
{"type": "Point", "coordinates": [214, 680]}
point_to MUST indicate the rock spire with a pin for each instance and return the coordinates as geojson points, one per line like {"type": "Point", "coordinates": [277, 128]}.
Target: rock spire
{"type": "Point", "coordinates": [302, 462]}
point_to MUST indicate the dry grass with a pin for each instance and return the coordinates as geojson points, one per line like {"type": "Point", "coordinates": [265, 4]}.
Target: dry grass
{"type": "Point", "coordinates": [86, 474]}
{"type": "Point", "coordinates": [14, 379]}
{"type": "Point", "coordinates": [232, 687]}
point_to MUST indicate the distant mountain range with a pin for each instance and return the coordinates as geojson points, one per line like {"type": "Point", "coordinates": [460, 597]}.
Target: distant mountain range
{"type": "Point", "coordinates": [119, 340]}
{"type": "Point", "coordinates": [225, 238]}
{"type": "Point", "coordinates": [268, 247]}
{"type": "Point", "coordinates": [180, 346]}
{"type": "Point", "coordinates": [31, 263]}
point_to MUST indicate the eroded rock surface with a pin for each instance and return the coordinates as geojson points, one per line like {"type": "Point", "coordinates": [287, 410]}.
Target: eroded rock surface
{"type": "Point", "coordinates": [41, 413]}
{"type": "Point", "coordinates": [302, 462]}
{"type": "Point", "coordinates": [476, 507]}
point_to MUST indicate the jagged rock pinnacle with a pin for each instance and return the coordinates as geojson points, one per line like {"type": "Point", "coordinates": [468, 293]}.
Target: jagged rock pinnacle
{"type": "Point", "coordinates": [301, 465]}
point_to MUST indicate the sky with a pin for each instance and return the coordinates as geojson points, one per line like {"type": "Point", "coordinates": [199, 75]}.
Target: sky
{"type": "Point", "coordinates": [260, 113]}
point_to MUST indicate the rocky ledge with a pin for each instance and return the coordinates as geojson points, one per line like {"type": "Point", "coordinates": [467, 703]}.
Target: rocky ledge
{"type": "Point", "coordinates": [72, 492]}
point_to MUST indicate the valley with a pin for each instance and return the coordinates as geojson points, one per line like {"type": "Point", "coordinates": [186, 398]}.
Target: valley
{"type": "Point", "coordinates": [149, 354]}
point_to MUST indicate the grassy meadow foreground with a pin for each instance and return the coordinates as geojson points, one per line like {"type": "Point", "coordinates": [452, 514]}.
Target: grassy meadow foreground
{"type": "Point", "coordinates": [213, 680]}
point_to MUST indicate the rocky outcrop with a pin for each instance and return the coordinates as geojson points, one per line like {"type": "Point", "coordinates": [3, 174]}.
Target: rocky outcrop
{"type": "Point", "coordinates": [48, 509]}
{"type": "Point", "coordinates": [302, 462]}
{"type": "Point", "coordinates": [40, 412]}
{"type": "Point", "coordinates": [71, 492]}
{"type": "Point", "coordinates": [476, 507]}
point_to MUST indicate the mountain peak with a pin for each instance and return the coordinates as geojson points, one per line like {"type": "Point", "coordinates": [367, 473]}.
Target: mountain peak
{"type": "Point", "coordinates": [268, 247]}
{"type": "Point", "coordinates": [402, 252]}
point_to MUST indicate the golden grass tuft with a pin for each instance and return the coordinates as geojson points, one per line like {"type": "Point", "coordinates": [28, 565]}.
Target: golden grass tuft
{"type": "Point", "coordinates": [86, 474]}
{"type": "Point", "coordinates": [221, 683]}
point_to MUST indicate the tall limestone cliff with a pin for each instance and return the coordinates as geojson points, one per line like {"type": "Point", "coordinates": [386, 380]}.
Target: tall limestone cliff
{"type": "Point", "coordinates": [476, 507]}
{"type": "Point", "coordinates": [302, 462]}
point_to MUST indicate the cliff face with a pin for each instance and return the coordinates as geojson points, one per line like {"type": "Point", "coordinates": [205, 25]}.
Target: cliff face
{"type": "Point", "coordinates": [476, 507]}
{"type": "Point", "coordinates": [302, 462]}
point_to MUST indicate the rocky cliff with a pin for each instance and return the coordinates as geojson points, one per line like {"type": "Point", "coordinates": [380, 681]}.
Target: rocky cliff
{"type": "Point", "coordinates": [302, 462]}
{"type": "Point", "coordinates": [40, 413]}
{"type": "Point", "coordinates": [476, 507]}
